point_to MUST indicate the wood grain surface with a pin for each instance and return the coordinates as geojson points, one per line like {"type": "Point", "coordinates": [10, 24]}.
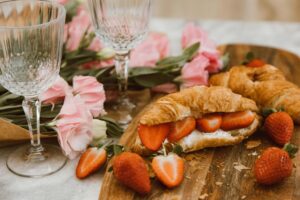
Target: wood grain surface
{"type": "Point", "coordinates": [221, 173]}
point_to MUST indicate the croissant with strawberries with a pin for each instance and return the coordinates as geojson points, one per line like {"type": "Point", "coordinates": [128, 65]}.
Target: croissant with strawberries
{"type": "Point", "coordinates": [266, 85]}
{"type": "Point", "coordinates": [196, 118]}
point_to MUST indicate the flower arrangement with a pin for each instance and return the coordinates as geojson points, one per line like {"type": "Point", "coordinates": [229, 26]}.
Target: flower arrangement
{"type": "Point", "coordinates": [76, 113]}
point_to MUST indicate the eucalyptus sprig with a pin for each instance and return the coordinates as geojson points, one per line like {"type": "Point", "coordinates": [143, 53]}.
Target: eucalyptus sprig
{"type": "Point", "coordinates": [166, 70]}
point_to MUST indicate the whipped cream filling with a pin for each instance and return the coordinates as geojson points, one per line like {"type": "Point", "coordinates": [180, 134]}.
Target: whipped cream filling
{"type": "Point", "coordinates": [197, 135]}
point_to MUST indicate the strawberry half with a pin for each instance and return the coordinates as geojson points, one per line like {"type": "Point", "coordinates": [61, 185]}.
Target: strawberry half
{"type": "Point", "coordinates": [181, 129]}
{"type": "Point", "coordinates": [273, 165]}
{"type": "Point", "coordinates": [256, 63]}
{"type": "Point", "coordinates": [131, 170]}
{"type": "Point", "coordinates": [90, 161]}
{"type": "Point", "coordinates": [209, 122]}
{"type": "Point", "coordinates": [280, 127]}
{"type": "Point", "coordinates": [237, 120]}
{"type": "Point", "coordinates": [152, 137]}
{"type": "Point", "coordinates": [169, 169]}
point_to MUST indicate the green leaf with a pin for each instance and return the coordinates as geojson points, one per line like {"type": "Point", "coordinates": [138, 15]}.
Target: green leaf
{"type": "Point", "coordinates": [113, 129]}
{"type": "Point", "coordinates": [114, 149]}
{"type": "Point", "coordinates": [177, 149]}
{"type": "Point", "coordinates": [8, 98]}
{"type": "Point", "coordinates": [175, 61]}
{"type": "Point", "coordinates": [152, 80]}
{"type": "Point", "coordinates": [9, 107]}
{"type": "Point", "coordinates": [291, 149]}
{"type": "Point", "coordinates": [71, 7]}
{"type": "Point", "coordinates": [267, 111]}
{"type": "Point", "coordinates": [2, 89]}
{"type": "Point", "coordinates": [192, 50]}
{"type": "Point", "coordinates": [250, 56]}
{"type": "Point", "coordinates": [138, 71]}
{"type": "Point", "coordinates": [225, 60]}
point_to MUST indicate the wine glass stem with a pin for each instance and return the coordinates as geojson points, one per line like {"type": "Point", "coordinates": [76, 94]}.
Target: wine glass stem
{"type": "Point", "coordinates": [121, 64]}
{"type": "Point", "coordinates": [32, 109]}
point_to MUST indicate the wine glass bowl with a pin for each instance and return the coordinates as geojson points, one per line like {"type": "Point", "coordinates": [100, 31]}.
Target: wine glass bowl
{"type": "Point", "coordinates": [121, 24]}
{"type": "Point", "coordinates": [30, 54]}
{"type": "Point", "coordinates": [28, 57]}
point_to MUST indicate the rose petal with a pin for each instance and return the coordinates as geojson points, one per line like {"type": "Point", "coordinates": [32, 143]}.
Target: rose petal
{"type": "Point", "coordinates": [194, 73]}
{"type": "Point", "coordinates": [91, 92]}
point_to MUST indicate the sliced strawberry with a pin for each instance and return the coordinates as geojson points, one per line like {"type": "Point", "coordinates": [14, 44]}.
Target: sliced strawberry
{"type": "Point", "coordinates": [256, 63]}
{"type": "Point", "coordinates": [181, 129]}
{"type": "Point", "coordinates": [237, 120]}
{"type": "Point", "coordinates": [209, 123]}
{"type": "Point", "coordinates": [152, 137]}
{"type": "Point", "coordinates": [169, 169]}
{"type": "Point", "coordinates": [90, 161]}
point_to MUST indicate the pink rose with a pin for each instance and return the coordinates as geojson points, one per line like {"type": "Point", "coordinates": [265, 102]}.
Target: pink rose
{"type": "Point", "coordinates": [151, 50]}
{"type": "Point", "coordinates": [99, 64]}
{"type": "Point", "coordinates": [195, 73]}
{"type": "Point", "coordinates": [192, 34]}
{"type": "Point", "coordinates": [56, 92]}
{"type": "Point", "coordinates": [215, 62]}
{"type": "Point", "coordinates": [161, 41]}
{"type": "Point", "coordinates": [95, 45]}
{"type": "Point", "coordinates": [74, 126]}
{"type": "Point", "coordinates": [91, 92]}
{"type": "Point", "coordinates": [76, 29]}
{"type": "Point", "coordinates": [165, 88]}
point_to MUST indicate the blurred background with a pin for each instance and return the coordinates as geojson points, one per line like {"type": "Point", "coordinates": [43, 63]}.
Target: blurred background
{"type": "Point", "coordinates": [249, 10]}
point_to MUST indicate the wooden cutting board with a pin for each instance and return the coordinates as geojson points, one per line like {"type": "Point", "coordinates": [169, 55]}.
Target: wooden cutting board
{"type": "Point", "coordinates": [226, 172]}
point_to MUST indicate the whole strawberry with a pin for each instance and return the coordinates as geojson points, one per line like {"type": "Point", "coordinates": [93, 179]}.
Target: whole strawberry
{"type": "Point", "coordinates": [131, 170]}
{"type": "Point", "coordinates": [274, 165]}
{"type": "Point", "coordinates": [280, 127]}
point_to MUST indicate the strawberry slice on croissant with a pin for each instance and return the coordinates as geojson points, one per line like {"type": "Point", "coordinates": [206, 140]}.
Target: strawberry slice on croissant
{"type": "Point", "coordinates": [196, 118]}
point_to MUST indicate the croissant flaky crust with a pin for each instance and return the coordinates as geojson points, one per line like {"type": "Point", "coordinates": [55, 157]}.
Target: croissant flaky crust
{"type": "Point", "coordinates": [195, 102]}
{"type": "Point", "coordinates": [266, 85]}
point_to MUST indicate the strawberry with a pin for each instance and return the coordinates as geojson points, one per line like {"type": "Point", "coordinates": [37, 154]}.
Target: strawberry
{"type": "Point", "coordinates": [181, 129]}
{"type": "Point", "coordinates": [90, 161]}
{"type": "Point", "coordinates": [274, 165]}
{"type": "Point", "coordinates": [209, 123]}
{"type": "Point", "coordinates": [169, 169]}
{"type": "Point", "coordinates": [280, 127]}
{"type": "Point", "coordinates": [256, 63]}
{"type": "Point", "coordinates": [152, 137]}
{"type": "Point", "coordinates": [131, 170]}
{"type": "Point", "coordinates": [237, 120]}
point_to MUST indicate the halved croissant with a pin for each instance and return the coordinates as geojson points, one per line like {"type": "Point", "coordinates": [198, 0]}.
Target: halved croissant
{"type": "Point", "coordinates": [195, 102]}
{"type": "Point", "coordinates": [266, 85]}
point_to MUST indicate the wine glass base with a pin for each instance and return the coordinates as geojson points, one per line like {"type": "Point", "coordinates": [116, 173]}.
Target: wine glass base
{"type": "Point", "coordinates": [122, 110]}
{"type": "Point", "coordinates": [24, 162]}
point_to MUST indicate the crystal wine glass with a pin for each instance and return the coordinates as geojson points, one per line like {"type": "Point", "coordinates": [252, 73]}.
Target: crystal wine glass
{"type": "Point", "coordinates": [31, 39]}
{"type": "Point", "coordinates": [121, 24]}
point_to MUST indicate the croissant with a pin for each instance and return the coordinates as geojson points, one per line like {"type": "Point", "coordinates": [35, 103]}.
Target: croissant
{"type": "Point", "coordinates": [195, 102]}
{"type": "Point", "coordinates": [266, 85]}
